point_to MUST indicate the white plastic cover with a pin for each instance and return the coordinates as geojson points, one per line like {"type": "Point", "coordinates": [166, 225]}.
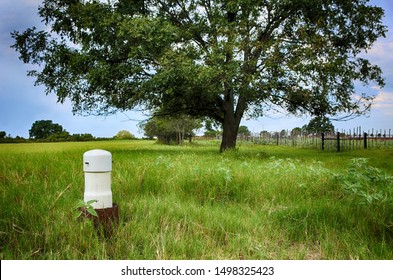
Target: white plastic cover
{"type": "Point", "coordinates": [98, 187]}
{"type": "Point", "coordinates": [97, 161]}
{"type": "Point", "coordinates": [97, 165]}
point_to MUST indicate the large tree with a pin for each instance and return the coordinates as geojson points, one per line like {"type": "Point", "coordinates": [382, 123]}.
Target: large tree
{"type": "Point", "coordinates": [44, 129]}
{"type": "Point", "coordinates": [218, 59]}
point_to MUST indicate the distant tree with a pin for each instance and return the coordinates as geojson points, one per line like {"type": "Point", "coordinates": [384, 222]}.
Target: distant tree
{"type": "Point", "coordinates": [283, 133]}
{"type": "Point", "coordinates": [81, 137]}
{"type": "Point", "coordinates": [149, 128]}
{"type": "Point", "coordinates": [185, 126]}
{"type": "Point", "coordinates": [296, 132]}
{"type": "Point", "coordinates": [319, 125]}
{"type": "Point", "coordinates": [160, 128]}
{"type": "Point", "coordinates": [124, 135]}
{"type": "Point", "coordinates": [171, 129]}
{"type": "Point", "coordinates": [243, 132]}
{"type": "Point", "coordinates": [59, 136]}
{"type": "Point", "coordinates": [211, 134]}
{"type": "Point", "coordinates": [44, 128]}
{"type": "Point", "coordinates": [265, 134]}
{"type": "Point", "coordinates": [211, 129]}
{"type": "Point", "coordinates": [3, 134]}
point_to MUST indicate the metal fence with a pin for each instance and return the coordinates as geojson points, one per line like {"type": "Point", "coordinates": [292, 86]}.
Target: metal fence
{"type": "Point", "coordinates": [339, 141]}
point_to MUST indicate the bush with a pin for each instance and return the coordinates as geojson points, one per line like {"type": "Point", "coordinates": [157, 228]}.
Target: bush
{"type": "Point", "coordinates": [82, 137]}
{"type": "Point", "coordinates": [124, 135]}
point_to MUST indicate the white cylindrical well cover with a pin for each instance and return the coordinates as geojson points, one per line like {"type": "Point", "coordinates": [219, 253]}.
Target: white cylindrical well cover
{"type": "Point", "coordinates": [97, 165]}
{"type": "Point", "coordinates": [98, 187]}
{"type": "Point", "coordinates": [97, 161]}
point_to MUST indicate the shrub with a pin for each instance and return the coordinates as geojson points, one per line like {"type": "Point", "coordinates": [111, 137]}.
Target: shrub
{"type": "Point", "coordinates": [124, 135]}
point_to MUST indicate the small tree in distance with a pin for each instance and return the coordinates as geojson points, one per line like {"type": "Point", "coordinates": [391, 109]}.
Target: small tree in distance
{"type": "Point", "coordinates": [171, 129]}
{"type": "Point", "coordinates": [296, 132]}
{"type": "Point", "coordinates": [124, 135]}
{"type": "Point", "coordinates": [243, 132]}
{"type": "Point", "coordinates": [319, 125]}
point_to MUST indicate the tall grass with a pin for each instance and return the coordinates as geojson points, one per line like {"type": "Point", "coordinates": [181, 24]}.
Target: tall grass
{"type": "Point", "coordinates": [193, 203]}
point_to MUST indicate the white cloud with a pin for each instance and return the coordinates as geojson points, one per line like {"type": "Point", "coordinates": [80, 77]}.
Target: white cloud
{"type": "Point", "coordinates": [381, 49]}
{"type": "Point", "coordinates": [384, 102]}
{"type": "Point", "coordinates": [381, 54]}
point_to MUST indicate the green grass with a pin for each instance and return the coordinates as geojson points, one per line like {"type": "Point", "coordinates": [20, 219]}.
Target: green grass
{"type": "Point", "coordinates": [259, 202]}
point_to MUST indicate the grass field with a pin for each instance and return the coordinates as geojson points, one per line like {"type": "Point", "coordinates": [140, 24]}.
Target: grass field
{"type": "Point", "coordinates": [190, 202]}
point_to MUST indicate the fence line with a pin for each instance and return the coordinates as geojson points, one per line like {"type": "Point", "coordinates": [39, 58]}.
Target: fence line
{"type": "Point", "coordinates": [340, 141]}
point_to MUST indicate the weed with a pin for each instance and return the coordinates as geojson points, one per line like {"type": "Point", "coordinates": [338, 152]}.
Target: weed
{"type": "Point", "coordinates": [369, 184]}
{"type": "Point", "coordinates": [371, 190]}
{"type": "Point", "coordinates": [86, 206]}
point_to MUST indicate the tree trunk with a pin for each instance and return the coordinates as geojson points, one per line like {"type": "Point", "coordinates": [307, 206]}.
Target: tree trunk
{"type": "Point", "coordinates": [229, 134]}
{"type": "Point", "coordinates": [231, 121]}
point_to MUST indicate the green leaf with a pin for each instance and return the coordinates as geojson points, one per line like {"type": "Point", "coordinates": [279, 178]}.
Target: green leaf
{"type": "Point", "coordinates": [92, 211]}
{"type": "Point", "coordinates": [91, 202]}
{"type": "Point", "coordinates": [77, 214]}
{"type": "Point", "coordinates": [80, 204]}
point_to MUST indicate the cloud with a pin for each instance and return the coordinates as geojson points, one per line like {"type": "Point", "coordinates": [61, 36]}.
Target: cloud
{"type": "Point", "coordinates": [381, 52]}
{"type": "Point", "coordinates": [381, 49]}
{"type": "Point", "coordinates": [381, 55]}
{"type": "Point", "coordinates": [384, 102]}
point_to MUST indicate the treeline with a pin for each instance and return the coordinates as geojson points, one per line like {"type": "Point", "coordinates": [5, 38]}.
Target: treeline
{"type": "Point", "coordinates": [53, 138]}
{"type": "Point", "coordinates": [167, 130]}
{"type": "Point", "coordinates": [47, 131]}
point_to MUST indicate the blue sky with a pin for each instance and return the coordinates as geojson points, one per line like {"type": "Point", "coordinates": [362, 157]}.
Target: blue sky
{"type": "Point", "coordinates": [21, 103]}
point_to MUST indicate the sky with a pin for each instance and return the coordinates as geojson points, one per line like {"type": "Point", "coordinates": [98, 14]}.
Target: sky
{"type": "Point", "coordinates": [22, 103]}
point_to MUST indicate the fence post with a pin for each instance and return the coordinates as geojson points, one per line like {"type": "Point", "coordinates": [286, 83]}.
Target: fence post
{"type": "Point", "coordinates": [323, 140]}
{"type": "Point", "coordinates": [338, 141]}
{"type": "Point", "coordinates": [365, 140]}
{"type": "Point", "coordinates": [278, 138]}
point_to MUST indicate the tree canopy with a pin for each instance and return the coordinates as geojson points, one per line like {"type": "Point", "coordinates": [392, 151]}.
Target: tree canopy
{"type": "Point", "coordinates": [43, 129]}
{"type": "Point", "coordinates": [217, 59]}
{"type": "Point", "coordinates": [318, 125]}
